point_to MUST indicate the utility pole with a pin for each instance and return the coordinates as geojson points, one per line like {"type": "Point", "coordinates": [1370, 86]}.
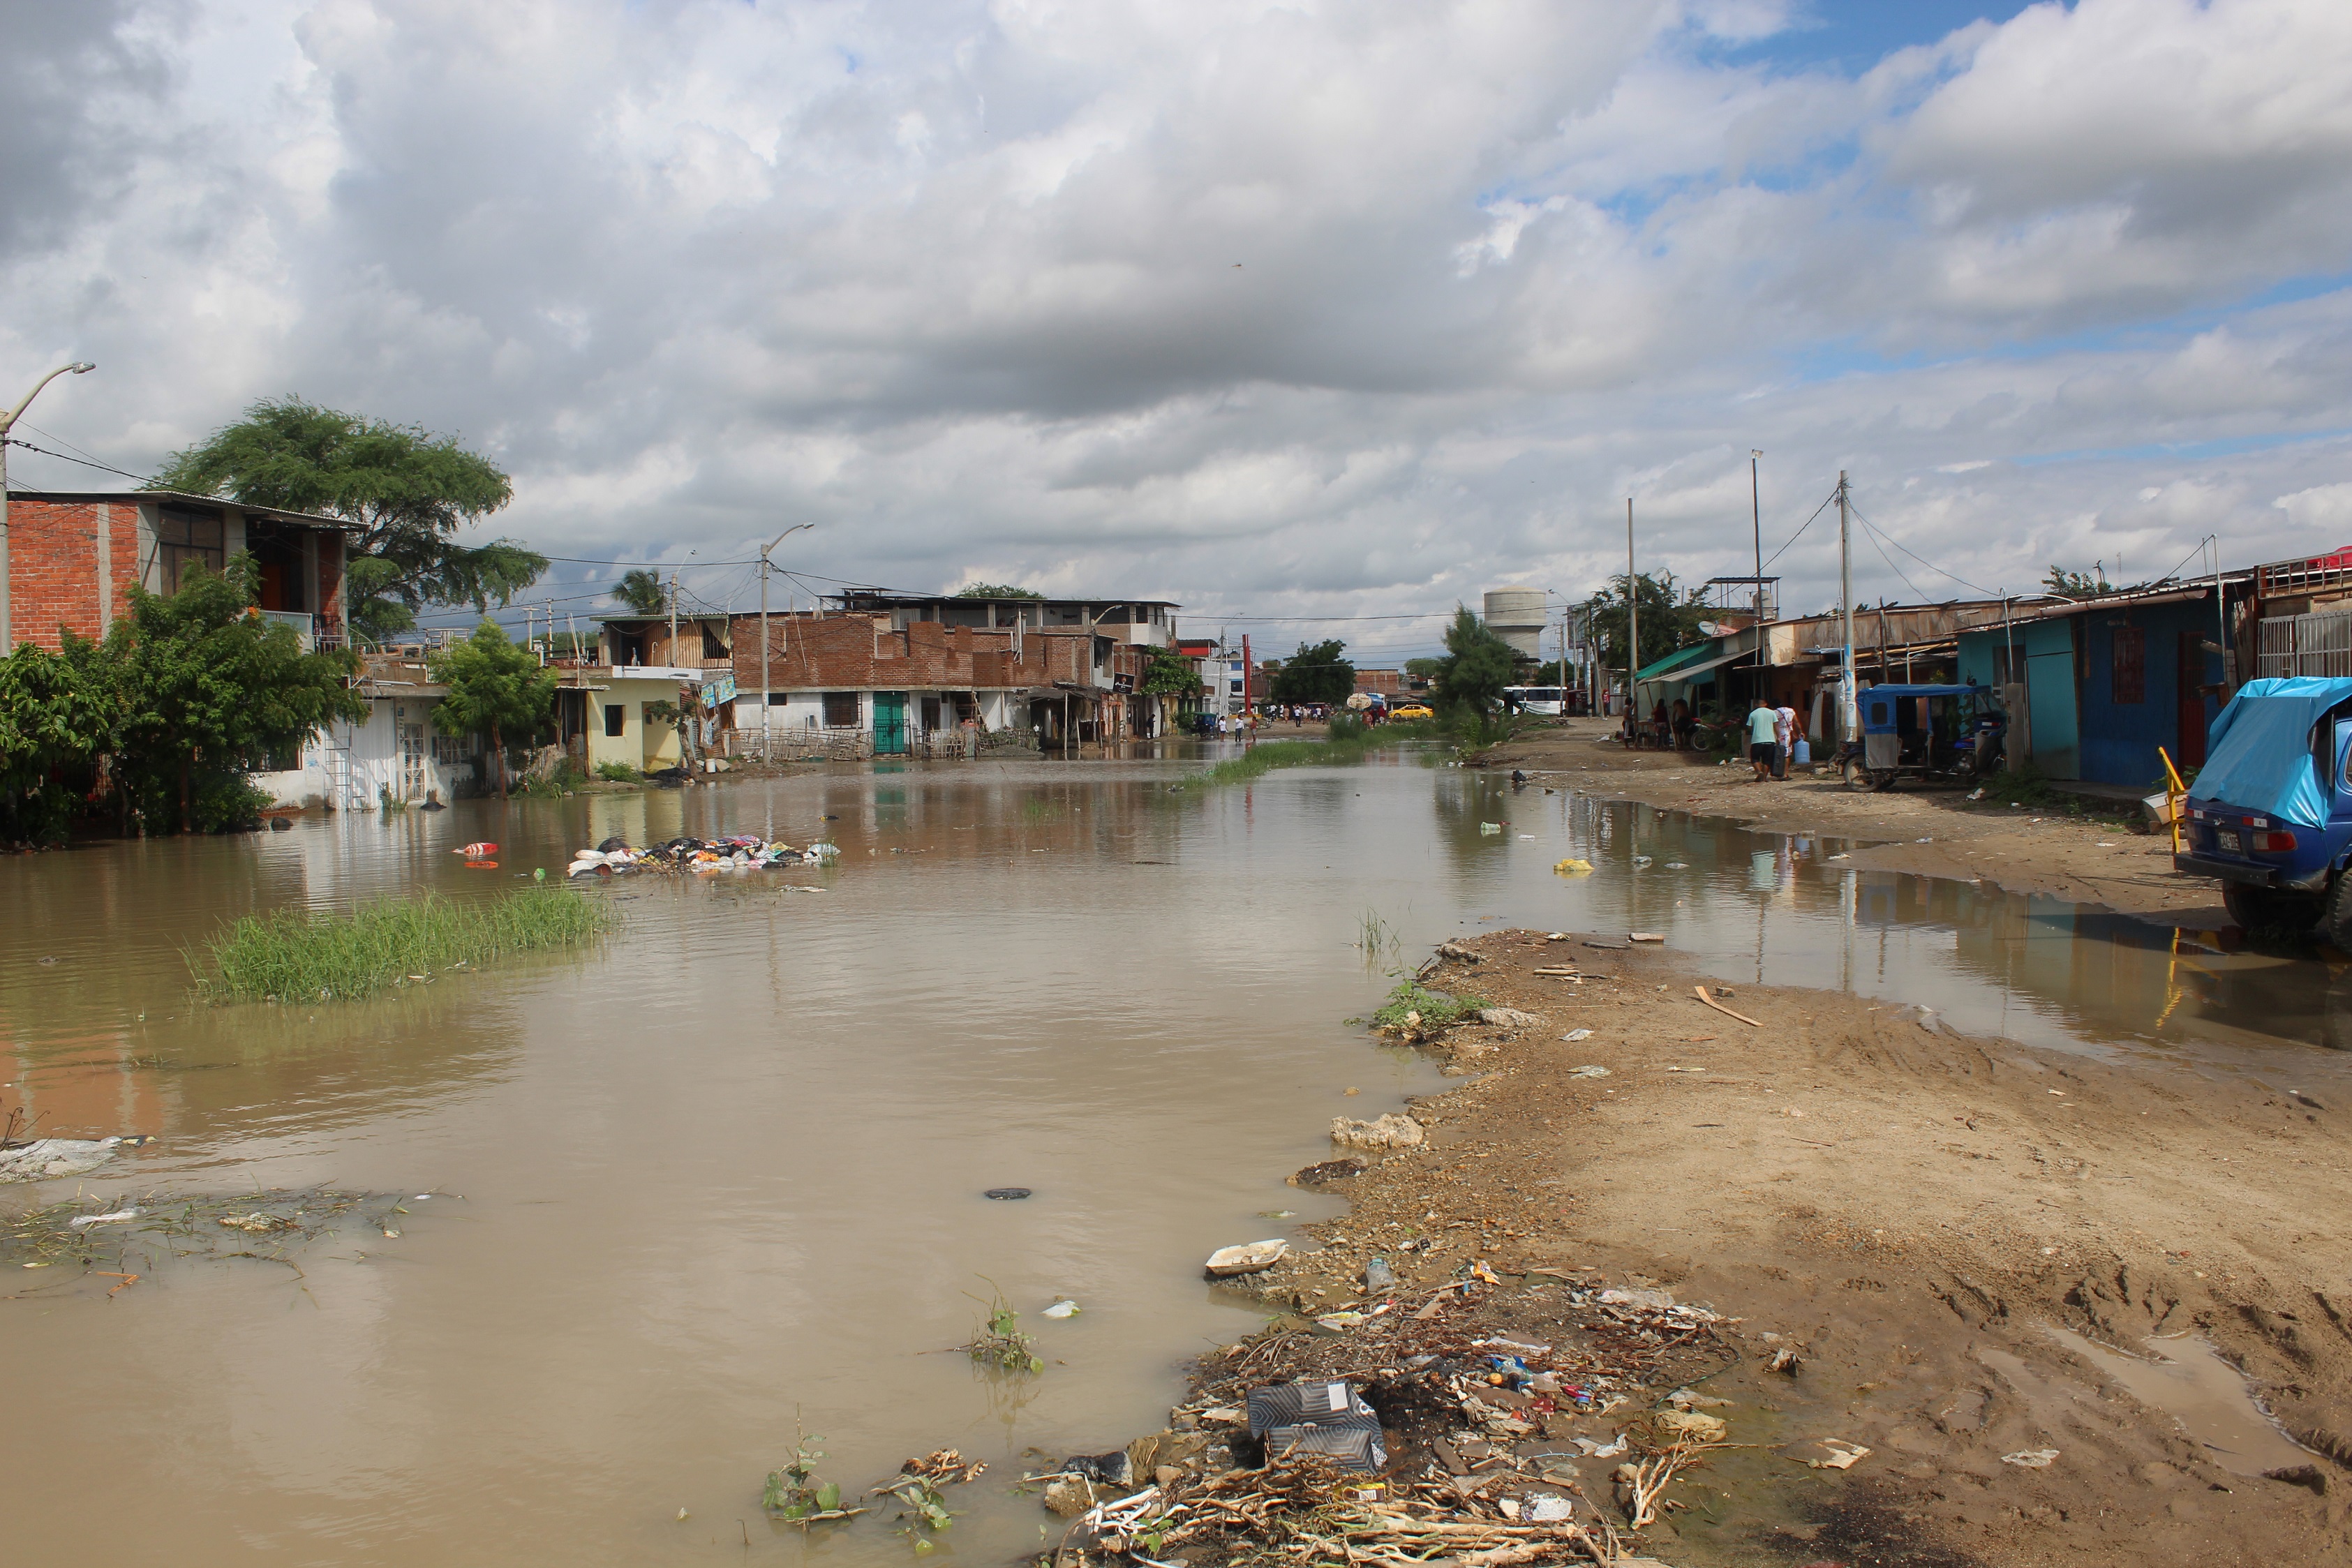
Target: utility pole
{"type": "Point", "coordinates": [673, 617]}
{"type": "Point", "coordinates": [2220, 620]}
{"type": "Point", "coordinates": [1249, 706]}
{"type": "Point", "coordinates": [1848, 725]}
{"type": "Point", "coordinates": [7, 423]}
{"type": "Point", "coordinates": [765, 738]}
{"type": "Point", "coordinates": [1756, 515]}
{"type": "Point", "coordinates": [1633, 620]}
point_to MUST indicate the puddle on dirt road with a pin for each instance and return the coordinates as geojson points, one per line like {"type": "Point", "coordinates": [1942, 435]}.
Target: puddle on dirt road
{"type": "Point", "coordinates": [2189, 1381]}
{"type": "Point", "coordinates": [729, 1169]}
{"type": "Point", "coordinates": [1776, 909]}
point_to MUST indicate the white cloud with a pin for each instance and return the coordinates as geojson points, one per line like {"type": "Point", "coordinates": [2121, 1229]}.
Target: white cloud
{"type": "Point", "coordinates": [1323, 309]}
{"type": "Point", "coordinates": [2323, 508]}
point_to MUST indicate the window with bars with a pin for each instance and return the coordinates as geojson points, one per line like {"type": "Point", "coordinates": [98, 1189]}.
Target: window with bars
{"type": "Point", "coordinates": [841, 710]}
{"type": "Point", "coordinates": [2127, 675]}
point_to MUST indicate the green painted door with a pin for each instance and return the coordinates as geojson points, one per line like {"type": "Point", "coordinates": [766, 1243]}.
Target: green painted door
{"type": "Point", "coordinates": [889, 723]}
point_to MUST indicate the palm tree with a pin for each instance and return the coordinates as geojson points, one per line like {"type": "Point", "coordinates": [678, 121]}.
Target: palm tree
{"type": "Point", "coordinates": [642, 591]}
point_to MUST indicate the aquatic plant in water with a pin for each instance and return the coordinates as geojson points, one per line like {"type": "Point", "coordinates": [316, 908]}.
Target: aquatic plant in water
{"type": "Point", "coordinates": [926, 1511]}
{"type": "Point", "coordinates": [298, 955]}
{"type": "Point", "coordinates": [1344, 746]}
{"type": "Point", "coordinates": [999, 1343]}
{"type": "Point", "coordinates": [794, 1494]}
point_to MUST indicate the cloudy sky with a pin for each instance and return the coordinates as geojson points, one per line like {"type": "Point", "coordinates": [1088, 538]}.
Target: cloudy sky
{"type": "Point", "coordinates": [1311, 309]}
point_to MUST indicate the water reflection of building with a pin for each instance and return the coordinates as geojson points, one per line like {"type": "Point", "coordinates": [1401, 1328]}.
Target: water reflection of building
{"type": "Point", "coordinates": [88, 1093]}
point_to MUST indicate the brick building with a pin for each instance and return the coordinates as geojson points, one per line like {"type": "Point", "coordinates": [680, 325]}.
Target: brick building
{"type": "Point", "coordinates": [72, 556]}
{"type": "Point", "coordinates": [844, 683]}
{"type": "Point", "coordinates": [904, 674]}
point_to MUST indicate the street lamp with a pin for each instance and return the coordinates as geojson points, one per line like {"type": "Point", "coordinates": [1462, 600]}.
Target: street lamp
{"type": "Point", "coordinates": [767, 752]}
{"type": "Point", "coordinates": [7, 423]}
{"type": "Point", "coordinates": [1756, 515]}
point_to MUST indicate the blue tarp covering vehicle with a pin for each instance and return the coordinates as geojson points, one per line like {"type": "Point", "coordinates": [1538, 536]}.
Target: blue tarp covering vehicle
{"type": "Point", "coordinates": [2270, 815]}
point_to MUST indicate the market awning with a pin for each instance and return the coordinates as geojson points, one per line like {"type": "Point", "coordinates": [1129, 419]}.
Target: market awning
{"type": "Point", "coordinates": [1678, 659]}
{"type": "Point", "coordinates": [1688, 672]}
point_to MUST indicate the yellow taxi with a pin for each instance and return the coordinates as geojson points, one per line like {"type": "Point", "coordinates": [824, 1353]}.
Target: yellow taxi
{"type": "Point", "coordinates": [1412, 710]}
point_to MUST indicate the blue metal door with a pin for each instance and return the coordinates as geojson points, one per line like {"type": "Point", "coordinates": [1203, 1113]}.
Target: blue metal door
{"type": "Point", "coordinates": [889, 723]}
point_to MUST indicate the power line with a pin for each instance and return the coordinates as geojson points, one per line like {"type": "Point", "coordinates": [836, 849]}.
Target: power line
{"type": "Point", "coordinates": [1914, 555]}
{"type": "Point", "coordinates": [1872, 534]}
{"type": "Point", "coordinates": [1808, 523]}
{"type": "Point", "coordinates": [85, 462]}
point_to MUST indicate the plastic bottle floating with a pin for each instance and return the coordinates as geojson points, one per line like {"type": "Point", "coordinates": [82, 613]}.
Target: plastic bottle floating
{"type": "Point", "coordinates": [481, 866]}
{"type": "Point", "coordinates": [477, 851]}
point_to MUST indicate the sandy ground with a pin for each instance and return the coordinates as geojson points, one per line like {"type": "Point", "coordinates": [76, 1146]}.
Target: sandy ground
{"type": "Point", "coordinates": [1917, 1212]}
{"type": "Point", "coordinates": [2097, 857]}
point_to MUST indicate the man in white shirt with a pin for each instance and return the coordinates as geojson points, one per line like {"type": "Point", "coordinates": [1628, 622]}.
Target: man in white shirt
{"type": "Point", "coordinates": [1785, 728]}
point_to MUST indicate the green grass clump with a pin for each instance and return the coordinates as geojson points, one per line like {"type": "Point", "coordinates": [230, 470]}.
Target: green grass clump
{"type": "Point", "coordinates": [1436, 1011]}
{"type": "Point", "coordinates": [302, 956]}
{"type": "Point", "coordinates": [1346, 744]}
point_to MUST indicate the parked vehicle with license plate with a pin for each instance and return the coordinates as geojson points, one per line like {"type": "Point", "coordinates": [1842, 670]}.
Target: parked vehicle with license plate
{"type": "Point", "coordinates": [2270, 815]}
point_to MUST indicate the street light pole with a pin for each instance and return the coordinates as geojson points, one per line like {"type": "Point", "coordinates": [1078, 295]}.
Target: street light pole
{"type": "Point", "coordinates": [1848, 724]}
{"type": "Point", "coordinates": [1632, 623]}
{"type": "Point", "coordinates": [7, 423]}
{"type": "Point", "coordinates": [1756, 514]}
{"type": "Point", "coordinates": [767, 741]}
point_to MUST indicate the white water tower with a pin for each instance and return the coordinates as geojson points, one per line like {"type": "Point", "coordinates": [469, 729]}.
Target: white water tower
{"type": "Point", "coordinates": [1516, 616]}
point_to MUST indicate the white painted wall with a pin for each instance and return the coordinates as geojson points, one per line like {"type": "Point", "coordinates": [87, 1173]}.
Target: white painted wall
{"type": "Point", "coordinates": [380, 764]}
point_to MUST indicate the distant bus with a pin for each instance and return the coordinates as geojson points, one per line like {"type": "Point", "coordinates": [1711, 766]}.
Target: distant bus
{"type": "Point", "coordinates": [1551, 701]}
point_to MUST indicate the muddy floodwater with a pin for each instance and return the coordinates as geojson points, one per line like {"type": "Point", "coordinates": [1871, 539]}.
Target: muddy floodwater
{"type": "Point", "coordinates": [725, 1173]}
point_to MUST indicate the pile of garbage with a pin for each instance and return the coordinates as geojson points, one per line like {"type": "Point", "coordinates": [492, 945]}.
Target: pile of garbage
{"type": "Point", "coordinates": [1416, 1431]}
{"type": "Point", "coordinates": [702, 856]}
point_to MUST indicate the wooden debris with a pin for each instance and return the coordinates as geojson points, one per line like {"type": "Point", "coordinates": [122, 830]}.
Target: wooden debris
{"type": "Point", "coordinates": [1700, 991]}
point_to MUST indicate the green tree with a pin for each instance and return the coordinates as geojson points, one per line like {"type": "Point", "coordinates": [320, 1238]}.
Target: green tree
{"type": "Point", "coordinates": [1169, 674]}
{"type": "Point", "coordinates": [409, 490]}
{"type": "Point", "coordinates": [1318, 673]}
{"type": "Point", "coordinates": [643, 591]}
{"type": "Point", "coordinates": [199, 690]}
{"type": "Point", "coordinates": [1670, 618]}
{"type": "Point", "coordinates": [996, 590]}
{"type": "Point", "coordinates": [1476, 667]}
{"type": "Point", "coordinates": [2079, 584]}
{"type": "Point", "coordinates": [494, 686]}
{"type": "Point", "coordinates": [51, 717]}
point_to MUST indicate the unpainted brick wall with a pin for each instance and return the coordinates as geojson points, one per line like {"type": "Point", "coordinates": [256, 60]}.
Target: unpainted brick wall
{"type": "Point", "coordinates": [53, 566]}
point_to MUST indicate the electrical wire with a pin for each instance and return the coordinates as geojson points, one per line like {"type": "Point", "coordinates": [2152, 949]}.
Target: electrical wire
{"type": "Point", "coordinates": [85, 462]}
{"type": "Point", "coordinates": [1923, 560]}
{"type": "Point", "coordinates": [1872, 534]}
{"type": "Point", "coordinates": [1808, 523]}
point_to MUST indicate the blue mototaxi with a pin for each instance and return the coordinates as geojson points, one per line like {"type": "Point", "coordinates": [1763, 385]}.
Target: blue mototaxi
{"type": "Point", "coordinates": [2270, 814]}
{"type": "Point", "coordinates": [1935, 734]}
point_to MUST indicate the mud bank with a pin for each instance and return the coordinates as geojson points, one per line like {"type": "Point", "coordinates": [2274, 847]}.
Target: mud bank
{"type": "Point", "coordinates": [2084, 855]}
{"type": "Point", "coordinates": [1916, 1216]}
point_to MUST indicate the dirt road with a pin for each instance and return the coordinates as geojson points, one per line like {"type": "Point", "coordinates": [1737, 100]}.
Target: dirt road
{"type": "Point", "coordinates": [1919, 1217]}
{"type": "Point", "coordinates": [2077, 853]}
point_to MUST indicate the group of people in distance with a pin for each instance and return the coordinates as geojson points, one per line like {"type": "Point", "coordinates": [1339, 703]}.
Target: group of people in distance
{"type": "Point", "coordinates": [1771, 733]}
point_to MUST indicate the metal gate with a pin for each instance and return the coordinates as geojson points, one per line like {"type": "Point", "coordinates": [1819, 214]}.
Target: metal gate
{"type": "Point", "coordinates": [2318, 644]}
{"type": "Point", "coordinates": [889, 723]}
{"type": "Point", "coordinates": [412, 753]}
